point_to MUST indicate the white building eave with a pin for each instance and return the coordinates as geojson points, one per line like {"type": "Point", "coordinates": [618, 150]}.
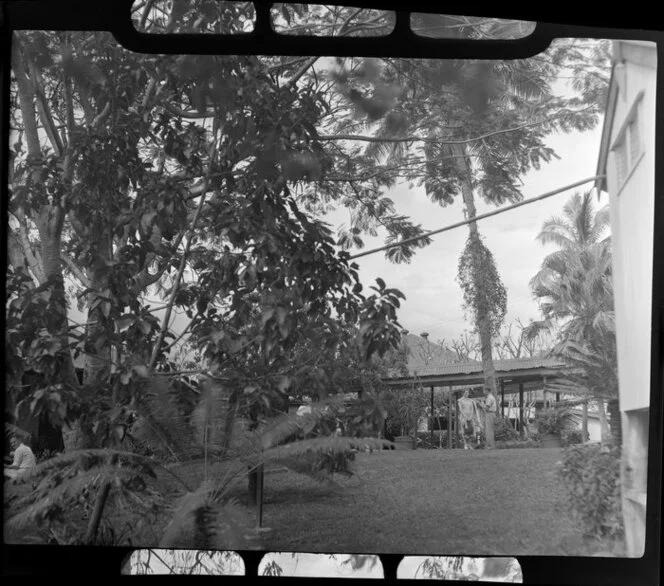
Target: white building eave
{"type": "Point", "coordinates": [600, 184]}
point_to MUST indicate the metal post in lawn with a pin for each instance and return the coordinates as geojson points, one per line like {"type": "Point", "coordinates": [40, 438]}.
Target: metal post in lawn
{"type": "Point", "coordinates": [456, 416]}
{"type": "Point", "coordinates": [521, 430]}
{"type": "Point", "coordinates": [259, 493]}
{"type": "Point", "coordinates": [502, 398]}
{"type": "Point", "coordinates": [449, 417]}
{"type": "Point", "coordinates": [584, 424]}
{"type": "Point", "coordinates": [431, 419]}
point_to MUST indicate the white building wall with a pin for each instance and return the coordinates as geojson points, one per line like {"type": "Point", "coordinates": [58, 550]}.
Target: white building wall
{"type": "Point", "coordinates": [632, 217]}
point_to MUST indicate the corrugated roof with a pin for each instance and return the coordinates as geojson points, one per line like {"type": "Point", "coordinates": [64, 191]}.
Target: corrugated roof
{"type": "Point", "coordinates": [473, 367]}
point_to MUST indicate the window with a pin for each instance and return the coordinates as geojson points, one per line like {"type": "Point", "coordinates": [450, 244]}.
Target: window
{"type": "Point", "coordinates": [634, 139]}
{"type": "Point", "coordinates": [621, 162]}
{"type": "Point", "coordinates": [627, 146]}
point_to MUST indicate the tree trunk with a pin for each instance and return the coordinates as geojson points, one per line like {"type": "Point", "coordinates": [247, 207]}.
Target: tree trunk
{"type": "Point", "coordinates": [98, 364]}
{"type": "Point", "coordinates": [603, 422]}
{"type": "Point", "coordinates": [615, 420]}
{"type": "Point", "coordinates": [483, 325]}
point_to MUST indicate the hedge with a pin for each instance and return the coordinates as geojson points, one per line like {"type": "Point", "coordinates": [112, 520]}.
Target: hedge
{"type": "Point", "coordinates": [590, 474]}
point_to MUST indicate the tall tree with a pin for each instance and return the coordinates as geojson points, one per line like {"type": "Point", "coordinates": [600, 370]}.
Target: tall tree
{"type": "Point", "coordinates": [575, 290]}
{"type": "Point", "coordinates": [452, 140]}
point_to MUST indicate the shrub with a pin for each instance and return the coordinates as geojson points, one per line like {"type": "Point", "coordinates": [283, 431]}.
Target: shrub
{"type": "Point", "coordinates": [591, 476]}
{"type": "Point", "coordinates": [503, 430]}
{"type": "Point", "coordinates": [424, 439]}
{"type": "Point", "coordinates": [556, 420]}
{"type": "Point", "coordinates": [572, 437]}
{"type": "Point", "coordinates": [529, 443]}
{"type": "Point", "coordinates": [534, 434]}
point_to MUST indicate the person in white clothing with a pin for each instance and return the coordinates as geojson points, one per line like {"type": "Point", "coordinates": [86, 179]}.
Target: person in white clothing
{"type": "Point", "coordinates": [24, 459]}
{"type": "Point", "coordinates": [468, 419]}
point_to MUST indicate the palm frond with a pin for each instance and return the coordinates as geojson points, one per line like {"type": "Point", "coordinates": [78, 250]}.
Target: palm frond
{"type": "Point", "coordinates": [556, 231]}
{"type": "Point", "coordinates": [160, 426]}
{"type": "Point", "coordinates": [199, 521]}
{"type": "Point", "coordinates": [56, 493]}
{"type": "Point", "coordinates": [287, 425]}
{"type": "Point", "coordinates": [214, 417]}
{"type": "Point", "coordinates": [181, 530]}
{"type": "Point", "coordinates": [327, 444]}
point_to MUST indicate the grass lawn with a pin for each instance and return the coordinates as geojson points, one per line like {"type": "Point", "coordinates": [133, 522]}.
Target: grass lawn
{"type": "Point", "coordinates": [500, 502]}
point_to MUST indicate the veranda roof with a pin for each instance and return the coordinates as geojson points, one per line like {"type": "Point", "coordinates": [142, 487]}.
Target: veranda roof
{"type": "Point", "coordinates": [519, 370]}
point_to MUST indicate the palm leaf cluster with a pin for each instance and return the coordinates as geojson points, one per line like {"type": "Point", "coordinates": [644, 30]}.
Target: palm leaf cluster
{"type": "Point", "coordinates": [45, 493]}
{"type": "Point", "coordinates": [575, 290]}
{"type": "Point", "coordinates": [205, 516]}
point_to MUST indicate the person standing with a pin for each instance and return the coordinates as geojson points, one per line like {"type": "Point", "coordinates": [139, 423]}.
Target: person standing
{"type": "Point", "coordinates": [489, 418]}
{"type": "Point", "coordinates": [467, 419]}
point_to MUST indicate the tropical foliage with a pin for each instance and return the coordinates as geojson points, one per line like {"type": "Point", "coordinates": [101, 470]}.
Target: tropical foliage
{"type": "Point", "coordinates": [202, 180]}
{"type": "Point", "coordinates": [575, 290]}
{"type": "Point", "coordinates": [591, 475]}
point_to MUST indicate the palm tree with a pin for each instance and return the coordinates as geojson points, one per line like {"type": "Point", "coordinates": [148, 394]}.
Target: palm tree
{"type": "Point", "coordinates": [575, 290]}
{"type": "Point", "coordinates": [580, 225]}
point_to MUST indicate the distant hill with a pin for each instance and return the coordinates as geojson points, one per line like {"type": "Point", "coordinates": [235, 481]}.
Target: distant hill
{"type": "Point", "coordinates": [423, 353]}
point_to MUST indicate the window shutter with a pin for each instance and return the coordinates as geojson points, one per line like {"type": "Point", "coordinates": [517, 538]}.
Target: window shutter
{"type": "Point", "coordinates": [634, 139]}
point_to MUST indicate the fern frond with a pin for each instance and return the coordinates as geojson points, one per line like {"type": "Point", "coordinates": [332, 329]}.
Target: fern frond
{"type": "Point", "coordinates": [287, 425]}
{"type": "Point", "coordinates": [311, 466]}
{"type": "Point", "coordinates": [214, 417]}
{"type": "Point", "coordinates": [160, 425]}
{"type": "Point", "coordinates": [181, 531]}
{"type": "Point", "coordinates": [231, 527]}
{"type": "Point", "coordinates": [324, 445]}
{"type": "Point", "coordinates": [200, 522]}
{"type": "Point", "coordinates": [58, 492]}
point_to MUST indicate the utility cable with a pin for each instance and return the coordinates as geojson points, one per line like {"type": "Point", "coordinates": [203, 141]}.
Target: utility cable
{"type": "Point", "coordinates": [476, 218]}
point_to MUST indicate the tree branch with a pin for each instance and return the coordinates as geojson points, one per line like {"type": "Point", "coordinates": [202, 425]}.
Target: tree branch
{"type": "Point", "coordinates": [43, 110]}
{"type": "Point", "coordinates": [75, 269]}
{"type": "Point", "coordinates": [447, 141]}
{"type": "Point", "coordinates": [144, 16]}
{"type": "Point", "coordinates": [176, 286]}
{"type": "Point", "coordinates": [34, 264]}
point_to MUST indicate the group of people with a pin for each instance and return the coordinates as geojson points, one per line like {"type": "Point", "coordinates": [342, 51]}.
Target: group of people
{"type": "Point", "coordinates": [471, 414]}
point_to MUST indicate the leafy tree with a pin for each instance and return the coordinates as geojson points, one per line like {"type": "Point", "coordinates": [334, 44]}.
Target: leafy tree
{"type": "Point", "coordinates": [575, 290]}
{"type": "Point", "coordinates": [179, 165]}
{"type": "Point", "coordinates": [452, 141]}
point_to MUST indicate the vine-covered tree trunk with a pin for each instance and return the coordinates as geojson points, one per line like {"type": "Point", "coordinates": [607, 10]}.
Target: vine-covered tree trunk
{"type": "Point", "coordinates": [483, 323]}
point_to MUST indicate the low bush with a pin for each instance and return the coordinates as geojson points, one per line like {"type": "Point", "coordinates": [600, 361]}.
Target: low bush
{"type": "Point", "coordinates": [424, 440]}
{"type": "Point", "coordinates": [503, 430]}
{"type": "Point", "coordinates": [572, 437]}
{"type": "Point", "coordinates": [529, 443]}
{"type": "Point", "coordinates": [557, 420]}
{"type": "Point", "coordinates": [534, 434]}
{"type": "Point", "coordinates": [590, 474]}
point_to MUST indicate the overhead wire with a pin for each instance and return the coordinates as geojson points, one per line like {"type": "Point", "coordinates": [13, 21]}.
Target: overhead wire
{"type": "Point", "coordinates": [476, 218]}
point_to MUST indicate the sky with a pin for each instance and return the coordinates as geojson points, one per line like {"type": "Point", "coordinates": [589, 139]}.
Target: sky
{"type": "Point", "coordinates": [433, 297]}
